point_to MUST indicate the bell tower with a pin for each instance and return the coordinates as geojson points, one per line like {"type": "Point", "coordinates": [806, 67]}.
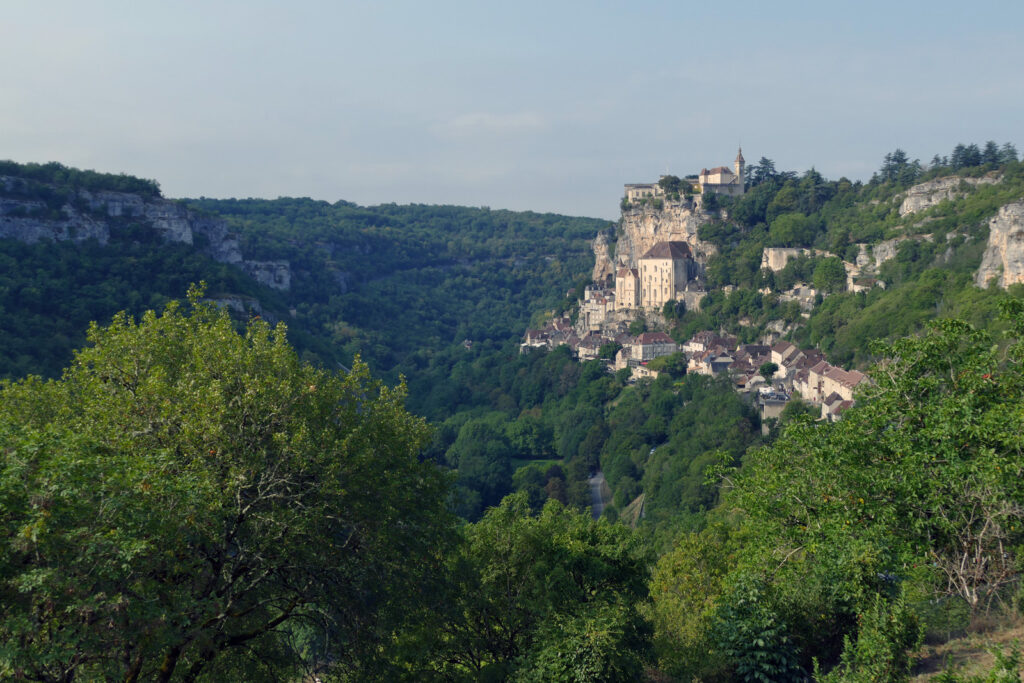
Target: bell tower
{"type": "Point", "coordinates": [740, 165]}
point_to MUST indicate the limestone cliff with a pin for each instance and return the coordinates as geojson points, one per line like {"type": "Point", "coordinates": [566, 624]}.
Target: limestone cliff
{"type": "Point", "coordinates": [1004, 257]}
{"type": "Point", "coordinates": [643, 227]}
{"type": "Point", "coordinates": [603, 265]}
{"type": "Point", "coordinates": [928, 194]}
{"type": "Point", "coordinates": [93, 215]}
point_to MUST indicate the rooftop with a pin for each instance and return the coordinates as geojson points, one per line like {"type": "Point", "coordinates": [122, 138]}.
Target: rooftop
{"type": "Point", "coordinates": [672, 250]}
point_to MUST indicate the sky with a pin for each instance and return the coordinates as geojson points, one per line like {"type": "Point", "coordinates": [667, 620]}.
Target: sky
{"type": "Point", "coordinates": [544, 106]}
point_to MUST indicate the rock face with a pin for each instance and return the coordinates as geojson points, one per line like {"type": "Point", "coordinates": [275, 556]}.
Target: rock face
{"type": "Point", "coordinates": [926, 195]}
{"type": "Point", "coordinates": [776, 258]}
{"type": "Point", "coordinates": [644, 227]}
{"type": "Point", "coordinates": [31, 221]}
{"type": "Point", "coordinates": [1004, 257]}
{"type": "Point", "coordinates": [273, 274]}
{"type": "Point", "coordinates": [92, 216]}
{"type": "Point", "coordinates": [603, 265]}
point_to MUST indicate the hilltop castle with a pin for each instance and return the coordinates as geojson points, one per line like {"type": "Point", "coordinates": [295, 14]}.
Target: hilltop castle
{"type": "Point", "coordinates": [720, 180]}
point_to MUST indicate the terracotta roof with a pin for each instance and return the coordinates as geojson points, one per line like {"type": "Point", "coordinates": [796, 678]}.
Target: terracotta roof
{"type": "Point", "coordinates": [820, 368]}
{"type": "Point", "coordinates": [626, 272]}
{"type": "Point", "coordinates": [672, 250]}
{"type": "Point", "coordinates": [783, 347]}
{"type": "Point", "coordinates": [654, 338]}
{"type": "Point", "coordinates": [808, 359]}
{"type": "Point", "coordinates": [847, 379]}
{"type": "Point", "coordinates": [717, 169]}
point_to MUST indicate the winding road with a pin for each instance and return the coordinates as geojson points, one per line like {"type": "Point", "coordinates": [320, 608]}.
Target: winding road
{"type": "Point", "coordinates": [597, 486]}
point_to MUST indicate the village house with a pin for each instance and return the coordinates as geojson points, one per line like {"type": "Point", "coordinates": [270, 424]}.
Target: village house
{"type": "Point", "coordinates": [627, 288]}
{"type": "Point", "coordinates": [713, 361]}
{"type": "Point", "coordinates": [644, 372]}
{"type": "Point", "coordinates": [833, 406]}
{"type": "Point", "coordinates": [842, 382]}
{"type": "Point", "coordinates": [784, 354]}
{"type": "Point", "coordinates": [823, 379]}
{"type": "Point", "coordinates": [651, 345]}
{"type": "Point", "coordinates": [706, 339]}
{"type": "Point", "coordinates": [598, 302]}
{"type": "Point", "coordinates": [770, 405]}
{"type": "Point", "coordinates": [556, 333]}
{"type": "Point", "coordinates": [589, 347]}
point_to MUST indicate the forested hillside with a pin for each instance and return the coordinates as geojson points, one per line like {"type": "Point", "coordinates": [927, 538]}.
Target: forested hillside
{"type": "Point", "coordinates": [405, 286]}
{"type": "Point", "coordinates": [200, 495]}
{"type": "Point", "coordinates": [399, 285]}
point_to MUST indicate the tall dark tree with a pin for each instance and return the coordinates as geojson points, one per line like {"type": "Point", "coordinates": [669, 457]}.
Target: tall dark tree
{"type": "Point", "coordinates": [762, 171]}
{"type": "Point", "coordinates": [958, 158]}
{"type": "Point", "coordinates": [1008, 153]}
{"type": "Point", "coordinates": [990, 153]}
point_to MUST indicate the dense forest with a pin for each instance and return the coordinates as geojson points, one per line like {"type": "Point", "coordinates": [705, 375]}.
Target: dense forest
{"type": "Point", "coordinates": [383, 487]}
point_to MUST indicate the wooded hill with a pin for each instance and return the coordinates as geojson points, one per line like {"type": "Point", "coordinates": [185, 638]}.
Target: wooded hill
{"type": "Point", "coordinates": [823, 551]}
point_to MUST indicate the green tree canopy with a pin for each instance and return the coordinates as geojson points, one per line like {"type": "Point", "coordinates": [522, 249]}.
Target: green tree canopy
{"type": "Point", "coordinates": [918, 485]}
{"type": "Point", "coordinates": [829, 275]}
{"type": "Point", "coordinates": [188, 501]}
{"type": "Point", "coordinates": [768, 370]}
{"type": "Point", "coordinates": [552, 597]}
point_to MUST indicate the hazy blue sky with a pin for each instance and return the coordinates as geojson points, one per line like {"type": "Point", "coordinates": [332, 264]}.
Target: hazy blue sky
{"type": "Point", "coordinates": [549, 106]}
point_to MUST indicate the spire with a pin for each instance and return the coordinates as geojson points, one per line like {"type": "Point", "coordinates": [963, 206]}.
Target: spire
{"type": "Point", "coordinates": [739, 156]}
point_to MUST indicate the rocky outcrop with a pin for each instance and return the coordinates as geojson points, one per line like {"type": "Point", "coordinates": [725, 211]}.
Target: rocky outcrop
{"type": "Point", "coordinates": [273, 274]}
{"type": "Point", "coordinates": [603, 265]}
{"type": "Point", "coordinates": [926, 195]}
{"type": "Point", "coordinates": [32, 221]}
{"type": "Point", "coordinates": [93, 215]}
{"type": "Point", "coordinates": [1003, 260]}
{"type": "Point", "coordinates": [645, 226]}
{"type": "Point", "coordinates": [776, 258]}
{"type": "Point", "coordinates": [883, 251]}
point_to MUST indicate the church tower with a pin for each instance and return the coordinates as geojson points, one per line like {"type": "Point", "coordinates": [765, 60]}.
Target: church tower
{"type": "Point", "coordinates": [739, 166]}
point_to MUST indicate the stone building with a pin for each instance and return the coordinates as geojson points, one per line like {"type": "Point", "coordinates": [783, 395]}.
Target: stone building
{"type": "Point", "coordinates": [637, 191]}
{"type": "Point", "coordinates": [721, 180]}
{"type": "Point", "coordinates": [664, 271]}
{"type": "Point", "coordinates": [627, 288]}
{"type": "Point", "coordinates": [651, 345]}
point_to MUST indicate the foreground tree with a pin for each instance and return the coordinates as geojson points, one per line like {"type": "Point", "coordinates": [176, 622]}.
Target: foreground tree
{"type": "Point", "coordinates": [918, 489]}
{"type": "Point", "coordinates": [190, 503]}
{"type": "Point", "coordinates": [552, 597]}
